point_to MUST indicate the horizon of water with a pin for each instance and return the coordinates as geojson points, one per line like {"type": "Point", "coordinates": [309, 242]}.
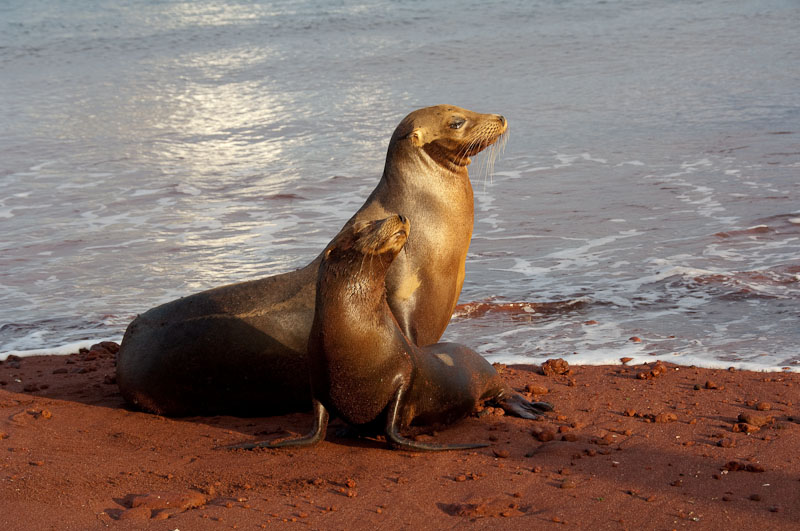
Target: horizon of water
{"type": "Point", "coordinates": [648, 188]}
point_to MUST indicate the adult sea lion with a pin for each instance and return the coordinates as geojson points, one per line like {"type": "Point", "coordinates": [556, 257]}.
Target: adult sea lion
{"type": "Point", "coordinates": [363, 368]}
{"type": "Point", "coordinates": [241, 349]}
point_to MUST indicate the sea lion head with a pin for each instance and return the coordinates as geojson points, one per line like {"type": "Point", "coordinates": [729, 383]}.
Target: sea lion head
{"type": "Point", "coordinates": [448, 134]}
{"type": "Point", "coordinates": [380, 238]}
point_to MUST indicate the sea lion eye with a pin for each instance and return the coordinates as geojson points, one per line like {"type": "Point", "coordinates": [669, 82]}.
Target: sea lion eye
{"type": "Point", "coordinates": [457, 123]}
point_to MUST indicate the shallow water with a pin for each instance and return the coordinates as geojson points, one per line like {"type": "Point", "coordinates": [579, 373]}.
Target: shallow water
{"type": "Point", "coordinates": [649, 185]}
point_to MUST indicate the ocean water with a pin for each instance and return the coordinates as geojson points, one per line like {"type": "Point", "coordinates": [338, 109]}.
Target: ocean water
{"type": "Point", "coordinates": [647, 202]}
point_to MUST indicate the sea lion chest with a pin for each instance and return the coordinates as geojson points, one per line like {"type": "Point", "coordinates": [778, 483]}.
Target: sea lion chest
{"type": "Point", "coordinates": [425, 280]}
{"type": "Point", "coordinates": [358, 358]}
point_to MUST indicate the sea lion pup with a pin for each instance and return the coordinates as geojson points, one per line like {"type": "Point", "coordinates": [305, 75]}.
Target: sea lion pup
{"type": "Point", "coordinates": [363, 367]}
{"type": "Point", "coordinates": [240, 349]}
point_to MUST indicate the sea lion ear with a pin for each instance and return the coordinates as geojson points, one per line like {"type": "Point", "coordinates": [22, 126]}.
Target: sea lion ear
{"type": "Point", "coordinates": [416, 137]}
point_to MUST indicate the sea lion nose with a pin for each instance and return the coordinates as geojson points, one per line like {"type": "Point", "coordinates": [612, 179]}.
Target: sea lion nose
{"type": "Point", "coordinates": [402, 218]}
{"type": "Point", "coordinates": [502, 119]}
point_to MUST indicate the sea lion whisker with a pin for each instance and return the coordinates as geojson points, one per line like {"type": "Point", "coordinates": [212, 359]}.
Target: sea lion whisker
{"type": "Point", "coordinates": [484, 168]}
{"type": "Point", "coordinates": [470, 141]}
{"type": "Point", "coordinates": [461, 154]}
{"type": "Point", "coordinates": [474, 142]}
{"type": "Point", "coordinates": [501, 148]}
{"type": "Point", "coordinates": [478, 135]}
{"type": "Point", "coordinates": [491, 158]}
{"type": "Point", "coordinates": [498, 148]}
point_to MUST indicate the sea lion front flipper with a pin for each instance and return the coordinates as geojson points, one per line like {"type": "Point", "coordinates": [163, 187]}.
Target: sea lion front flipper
{"type": "Point", "coordinates": [398, 442]}
{"type": "Point", "coordinates": [515, 404]}
{"type": "Point", "coordinates": [315, 436]}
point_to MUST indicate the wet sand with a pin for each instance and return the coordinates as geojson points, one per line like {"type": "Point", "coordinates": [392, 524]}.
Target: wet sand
{"type": "Point", "coordinates": [677, 447]}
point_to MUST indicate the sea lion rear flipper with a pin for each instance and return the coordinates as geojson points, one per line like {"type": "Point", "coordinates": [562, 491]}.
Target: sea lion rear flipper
{"type": "Point", "coordinates": [516, 404]}
{"type": "Point", "coordinates": [315, 436]}
{"type": "Point", "coordinates": [398, 442]}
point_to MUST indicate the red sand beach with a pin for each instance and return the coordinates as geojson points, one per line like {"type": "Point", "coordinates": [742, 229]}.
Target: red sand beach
{"type": "Point", "coordinates": [639, 447]}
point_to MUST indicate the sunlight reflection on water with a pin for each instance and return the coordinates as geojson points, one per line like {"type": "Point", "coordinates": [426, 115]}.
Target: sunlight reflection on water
{"type": "Point", "coordinates": [154, 149]}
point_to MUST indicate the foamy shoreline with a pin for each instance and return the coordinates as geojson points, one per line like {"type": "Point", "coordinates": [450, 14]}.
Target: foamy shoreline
{"type": "Point", "coordinates": [573, 360]}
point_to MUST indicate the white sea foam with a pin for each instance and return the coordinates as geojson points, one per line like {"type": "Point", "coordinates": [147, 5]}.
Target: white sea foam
{"type": "Point", "coordinates": [61, 350]}
{"type": "Point", "coordinates": [606, 343]}
{"type": "Point", "coordinates": [612, 357]}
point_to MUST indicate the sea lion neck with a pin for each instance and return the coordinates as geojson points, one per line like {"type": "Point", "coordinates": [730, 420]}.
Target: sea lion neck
{"type": "Point", "coordinates": [423, 166]}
